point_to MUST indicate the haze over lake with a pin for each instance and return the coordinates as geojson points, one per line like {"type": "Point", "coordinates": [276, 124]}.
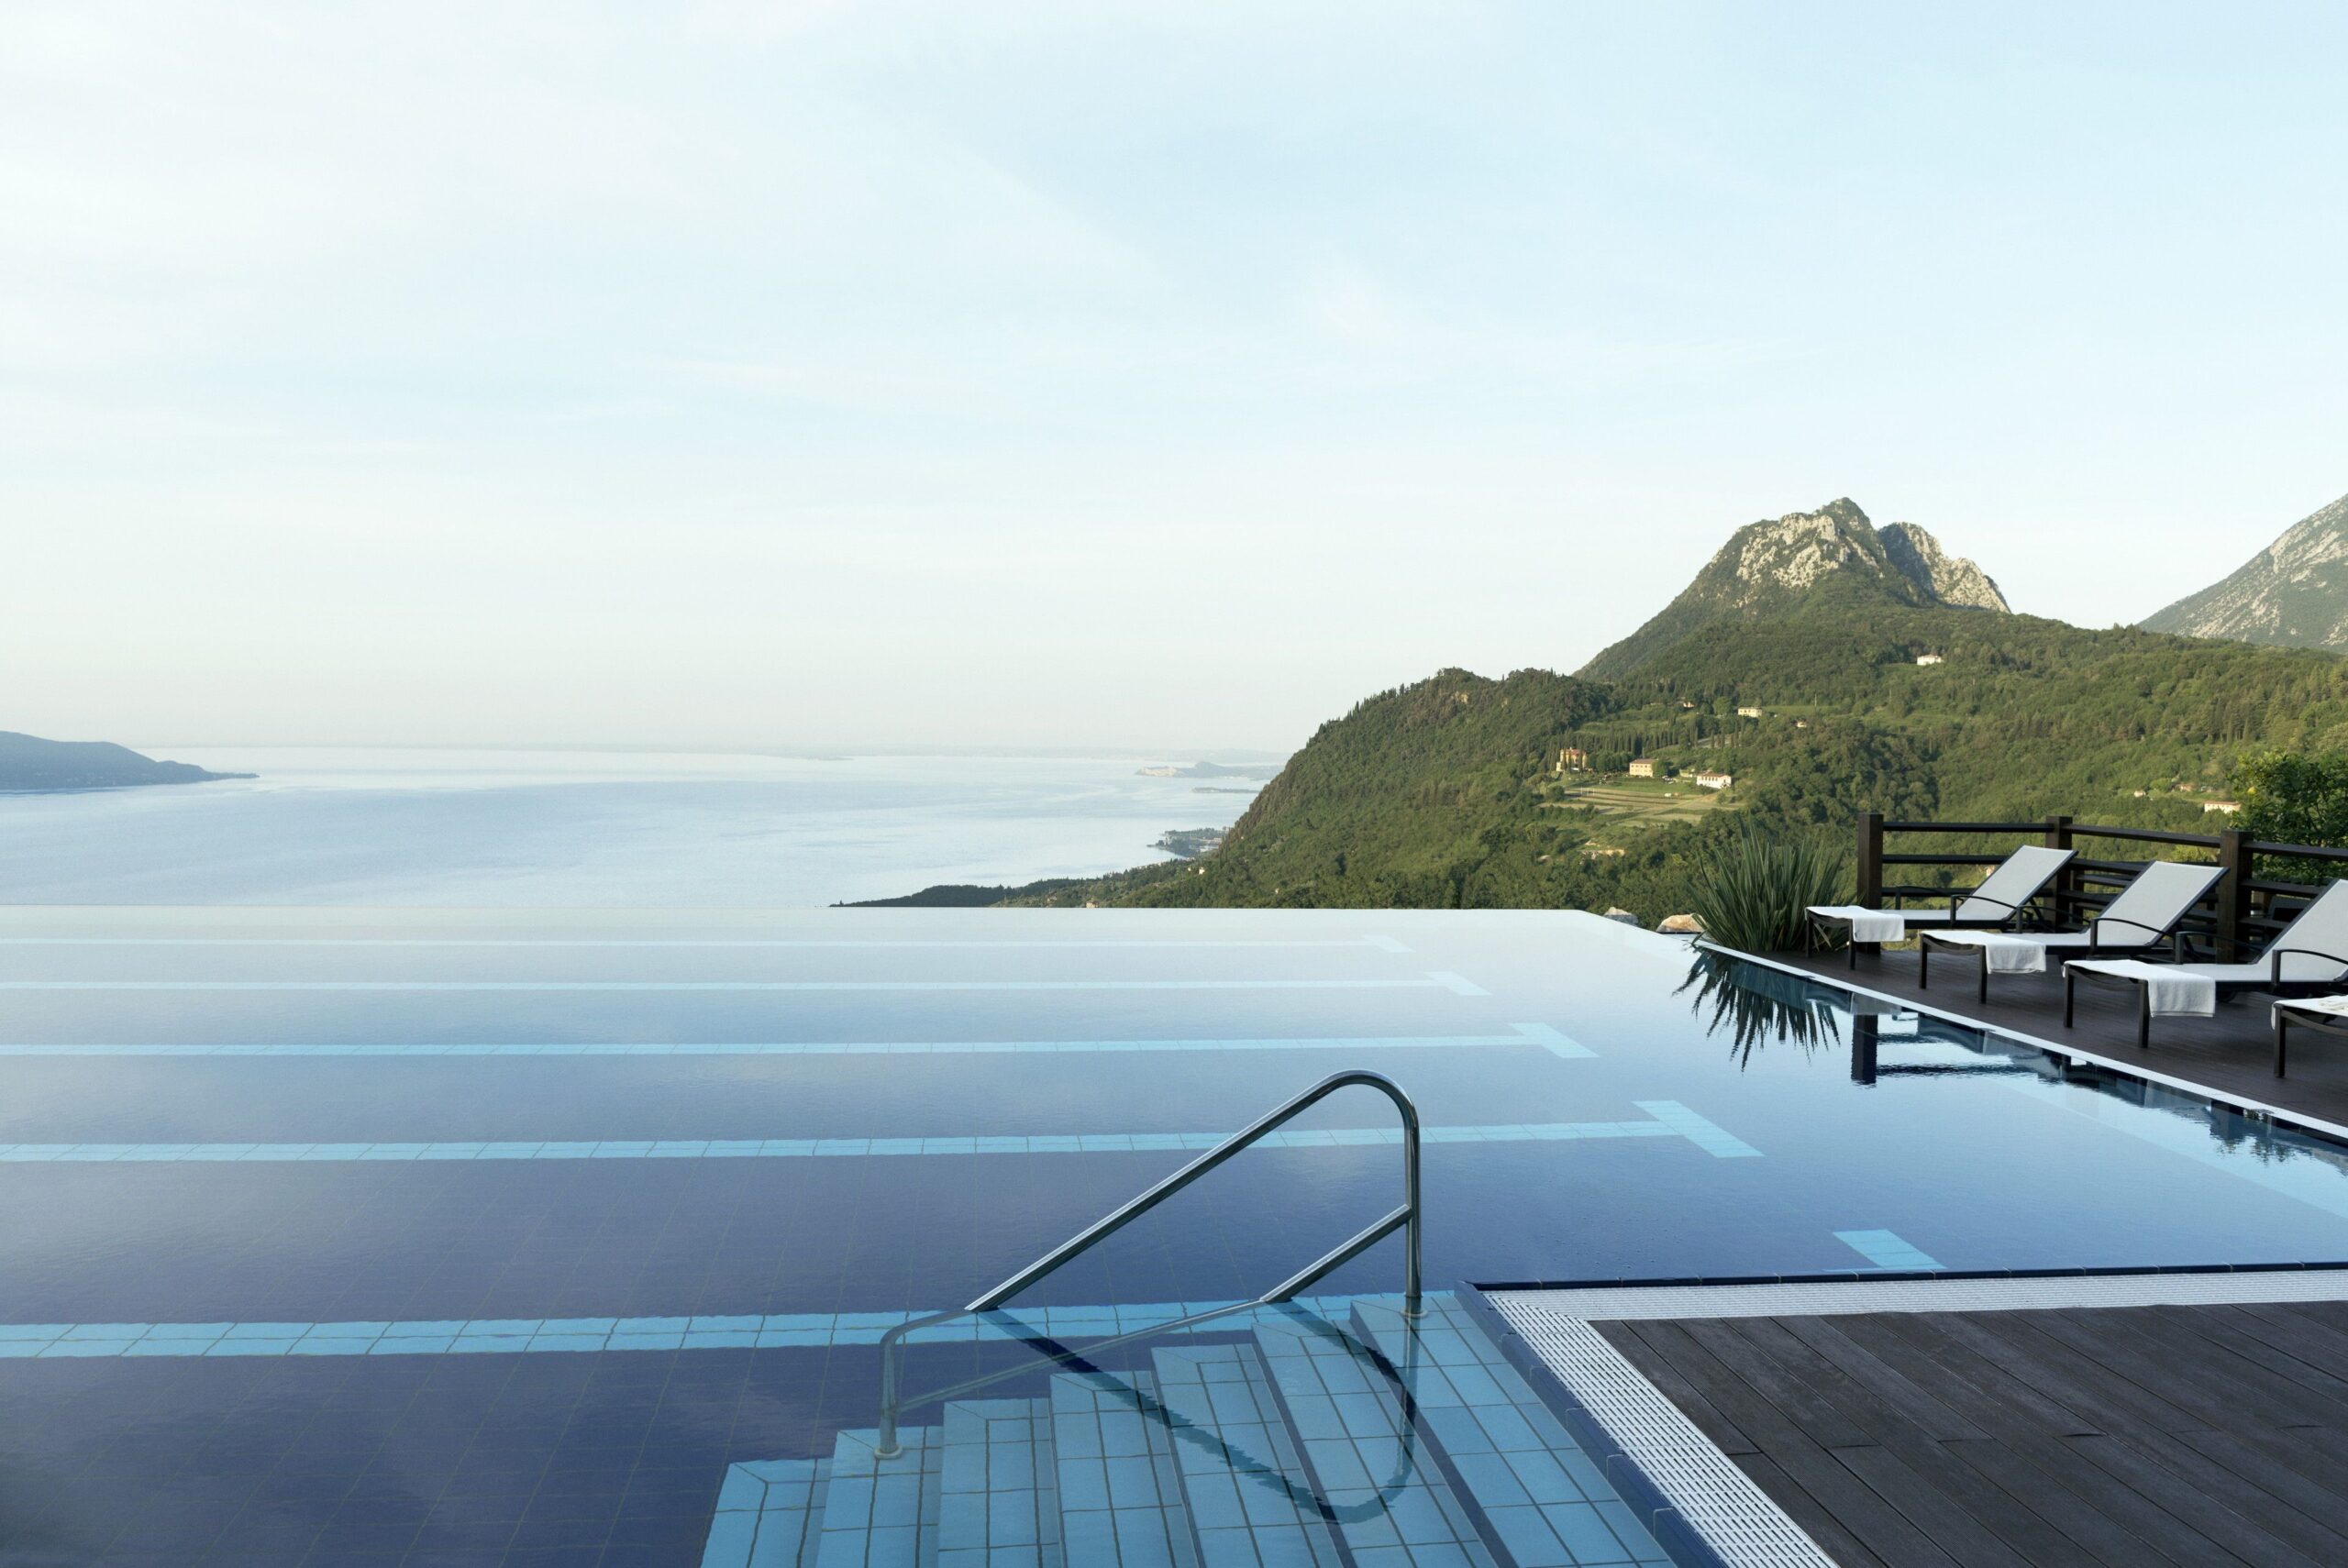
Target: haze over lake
{"type": "Point", "coordinates": [428, 827]}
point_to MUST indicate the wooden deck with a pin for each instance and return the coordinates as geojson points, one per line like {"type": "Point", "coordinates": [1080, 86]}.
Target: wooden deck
{"type": "Point", "coordinates": [2230, 1055]}
{"type": "Point", "coordinates": [2120, 1436]}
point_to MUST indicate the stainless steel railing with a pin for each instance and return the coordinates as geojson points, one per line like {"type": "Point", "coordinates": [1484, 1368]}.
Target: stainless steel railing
{"type": "Point", "coordinates": [1404, 1219]}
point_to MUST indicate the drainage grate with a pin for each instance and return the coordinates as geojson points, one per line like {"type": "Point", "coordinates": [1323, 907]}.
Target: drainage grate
{"type": "Point", "coordinates": [1716, 1500]}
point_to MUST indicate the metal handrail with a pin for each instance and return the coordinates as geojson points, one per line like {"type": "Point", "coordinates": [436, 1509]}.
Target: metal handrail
{"type": "Point", "coordinates": [1405, 1219]}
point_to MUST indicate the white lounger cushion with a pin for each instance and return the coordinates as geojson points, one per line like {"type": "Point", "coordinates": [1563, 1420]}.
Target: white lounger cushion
{"type": "Point", "coordinates": [2005, 955]}
{"type": "Point", "coordinates": [2023, 875]}
{"type": "Point", "coordinates": [1866, 924]}
{"type": "Point", "coordinates": [2322, 926]}
{"type": "Point", "coordinates": [2151, 906]}
{"type": "Point", "coordinates": [2177, 988]}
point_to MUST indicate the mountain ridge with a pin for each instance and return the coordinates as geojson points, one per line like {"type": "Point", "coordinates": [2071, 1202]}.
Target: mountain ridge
{"type": "Point", "coordinates": [1792, 674]}
{"type": "Point", "coordinates": [2293, 593]}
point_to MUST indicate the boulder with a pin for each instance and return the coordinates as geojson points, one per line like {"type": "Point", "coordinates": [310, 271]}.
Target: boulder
{"type": "Point", "coordinates": [1682, 925]}
{"type": "Point", "coordinates": [1625, 916]}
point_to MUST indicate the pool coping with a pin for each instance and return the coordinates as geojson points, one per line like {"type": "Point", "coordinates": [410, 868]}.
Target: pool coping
{"type": "Point", "coordinates": [2247, 1106]}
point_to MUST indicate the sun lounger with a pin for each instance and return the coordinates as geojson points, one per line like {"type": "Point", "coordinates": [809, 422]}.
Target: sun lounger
{"type": "Point", "coordinates": [2142, 919]}
{"type": "Point", "coordinates": [2305, 959]}
{"type": "Point", "coordinates": [2000, 901]}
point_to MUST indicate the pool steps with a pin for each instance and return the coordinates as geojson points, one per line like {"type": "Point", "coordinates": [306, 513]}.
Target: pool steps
{"type": "Point", "coordinates": [1262, 1451]}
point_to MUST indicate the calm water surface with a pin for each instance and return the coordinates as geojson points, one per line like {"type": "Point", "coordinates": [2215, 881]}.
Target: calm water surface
{"type": "Point", "coordinates": [333, 826]}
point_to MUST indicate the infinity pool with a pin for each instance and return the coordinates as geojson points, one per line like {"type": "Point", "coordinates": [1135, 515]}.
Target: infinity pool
{"type": "Point", "coordinates": [471, 1237]}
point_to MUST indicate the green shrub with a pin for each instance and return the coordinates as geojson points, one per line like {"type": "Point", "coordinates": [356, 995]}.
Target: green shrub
{"type": "Point", "coordinates": [2289, 796]}
{"type": "Point", "coordinates": [1756, 884]}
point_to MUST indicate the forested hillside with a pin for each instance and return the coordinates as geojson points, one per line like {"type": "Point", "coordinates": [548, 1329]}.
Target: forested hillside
{"type": "Point", "coordinates": [1448, 792]}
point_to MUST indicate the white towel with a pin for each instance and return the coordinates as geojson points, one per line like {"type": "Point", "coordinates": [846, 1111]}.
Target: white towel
{"type": "Point", "coordinates": [1866, 925]}
{"type": "Point", "coordinates": [2336, 1006]}
{"type": "Point", "coordinates": [2006, 954]}
{"type": "Point", "coordinates": [2176, 992]}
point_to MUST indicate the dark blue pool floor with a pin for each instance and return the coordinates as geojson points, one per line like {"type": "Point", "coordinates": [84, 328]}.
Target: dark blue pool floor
{"type": "Point", "coordinates": [540, 1162]}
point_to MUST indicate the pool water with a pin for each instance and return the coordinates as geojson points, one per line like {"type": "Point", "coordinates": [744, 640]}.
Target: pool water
{"type": "Point", "coordinates": [531, 1237]}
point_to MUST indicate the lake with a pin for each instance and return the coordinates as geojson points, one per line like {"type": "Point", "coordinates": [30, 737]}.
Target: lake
{"type": "Point", "coordinates": [574, 828]}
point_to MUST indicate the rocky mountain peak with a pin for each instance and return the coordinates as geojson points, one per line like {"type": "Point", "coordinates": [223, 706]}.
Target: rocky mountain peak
{"type": "Point", "coordinates": [1779, 564]}
{"type": "Point", "coordinates": [1949, 579]}
{"type": "Point", "coordinates": [1793, 553]}
{"type": "Point", "coordinates": [2293, 592]}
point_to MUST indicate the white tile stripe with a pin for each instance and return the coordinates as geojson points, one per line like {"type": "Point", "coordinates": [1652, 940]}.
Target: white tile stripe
{"type": "Point", "coordinates": [2031, 1293]}
{"type": "Point", "coordinates": [1715, 1498]}
{"type": "Point", "coordinates": [817, 1148]}
{"type": "Point", "coordinates": [1544, 1036]}
{"type": "Point", "coordinates": [1885, 1249]}
{"type": "Point", "coordinates": [749, 1331]}
{"type": "Point", "coordinates": [1438, 980]}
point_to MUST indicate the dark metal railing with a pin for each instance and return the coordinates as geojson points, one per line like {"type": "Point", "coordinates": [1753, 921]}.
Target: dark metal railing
{"type": "Point", "coordinates": [1404, 1219]}
{"type": "Point", "coordinates": [2240, 912]}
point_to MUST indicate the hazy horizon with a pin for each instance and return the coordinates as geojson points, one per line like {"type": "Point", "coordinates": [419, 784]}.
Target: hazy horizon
{"type": "Point", "coordinates": [1070, 376]}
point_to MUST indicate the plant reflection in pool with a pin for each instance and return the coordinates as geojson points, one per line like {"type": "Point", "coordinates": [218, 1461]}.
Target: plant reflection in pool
{"type": "Point", "coordinates": [1757, 1006]}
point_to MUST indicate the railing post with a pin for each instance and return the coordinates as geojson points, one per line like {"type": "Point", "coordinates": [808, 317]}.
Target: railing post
{"type": "Point", "coordinates": [2067, 881]}
{"type": "Point", "coordinates": [2233, 891]}
{"type": "Point", "coordinates": [1870, 863]}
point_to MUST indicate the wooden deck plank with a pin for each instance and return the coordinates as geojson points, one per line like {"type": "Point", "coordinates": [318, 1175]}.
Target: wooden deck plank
{"type": "Point", "coordinates": [2082, 1438]}
{"type": "Point", "coordinates": [1834, 1348]}
{"type": "Point", "coordinates": [1969, 1496]}
{"type": "Point", "coordinates": [1834, 1536]}
{"type": "Point", "coordinates": [1822, 1482]}
{"type": "Point", "coordinates": [2057, 1406]}
{"type": "Point", "coordinates": [2090, 1523]}
{"type": "Point", "coordinates": [2144, 1348]}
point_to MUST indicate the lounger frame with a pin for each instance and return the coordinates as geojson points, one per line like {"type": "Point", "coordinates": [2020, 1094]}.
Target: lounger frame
{"type": "Point", "coordinates": [2274, 985]}
{"type": "Point", "coordinates": [2171, 936]}
{"type": "Point", "coordinates": [2287, 1015]}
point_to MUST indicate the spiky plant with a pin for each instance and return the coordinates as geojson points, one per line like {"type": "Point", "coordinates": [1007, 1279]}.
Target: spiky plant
{"type": "Point", "coordinates": [1756, 886]}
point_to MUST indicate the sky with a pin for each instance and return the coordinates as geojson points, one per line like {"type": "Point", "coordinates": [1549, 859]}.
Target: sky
{"type": "Point", "coordinates": [1041, 373]}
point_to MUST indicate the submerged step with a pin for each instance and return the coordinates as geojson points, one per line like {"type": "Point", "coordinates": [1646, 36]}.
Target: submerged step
{"type": "Point", "coordinates": [1249, 1496]}
{"type": "Point", "coordinates": [998, 1486]}
{"type": "Point", "coordinates": [1121, 1501]}
{"type": "Point", "coordinates": [1548, 1505]}
{"type": "Point", "coordinates": [1384, 1487]}
{"type": "Point", "coordinates": [769, 1513]}
{"type": "Point", "coordinates": [881, 1513]}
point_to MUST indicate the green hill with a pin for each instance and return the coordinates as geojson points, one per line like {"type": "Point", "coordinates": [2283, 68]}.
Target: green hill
{"type": "Point", "coordinates": [1448, 793]}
